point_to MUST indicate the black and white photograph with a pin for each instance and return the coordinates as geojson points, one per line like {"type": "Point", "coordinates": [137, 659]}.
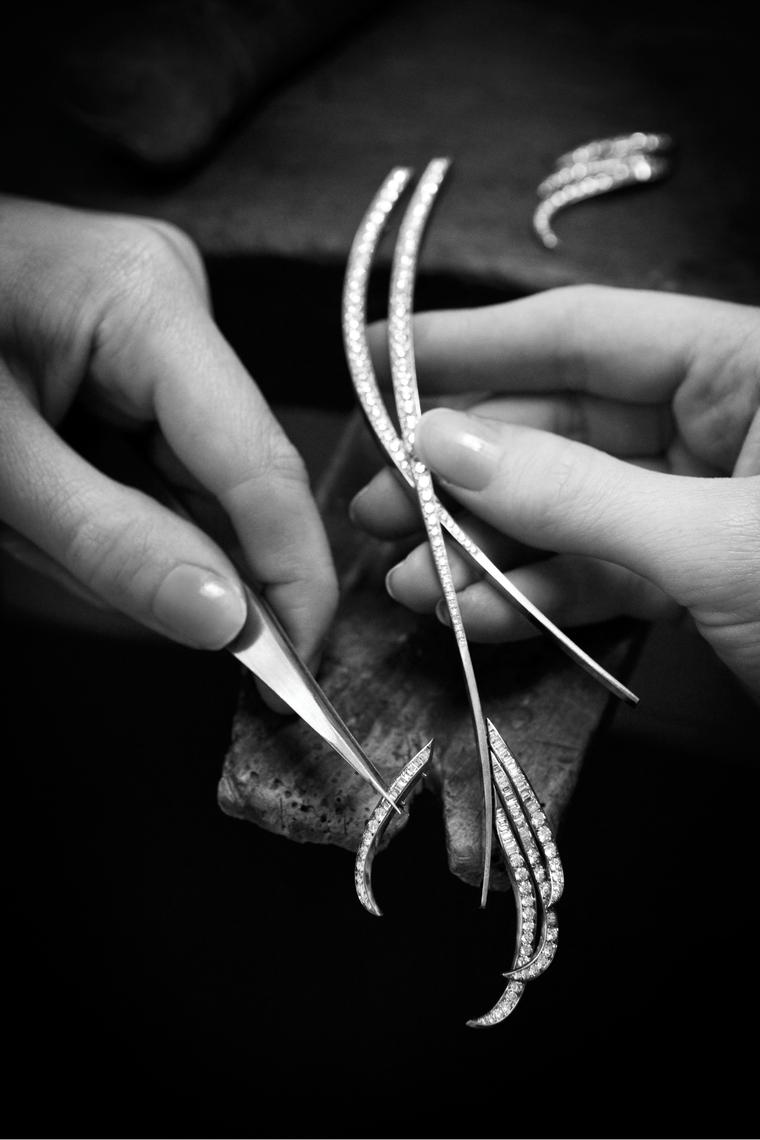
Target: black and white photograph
{"type": "Point", "coordinates": [380, 568]}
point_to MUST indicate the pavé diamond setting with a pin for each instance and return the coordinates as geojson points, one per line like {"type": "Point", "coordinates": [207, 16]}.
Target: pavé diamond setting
{"type": "Point", "coordinates": [381, 815]}
{"type": "Point", "coordinates": [598, 167]}
{"type": "Point", "coordinates": [512, 812]}
{"type": "Point", "coordinates": [367, 389]}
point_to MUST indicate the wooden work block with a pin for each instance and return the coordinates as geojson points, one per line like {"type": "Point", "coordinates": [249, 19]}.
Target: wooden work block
{"type": "Point", "coordinates": [395, 679]}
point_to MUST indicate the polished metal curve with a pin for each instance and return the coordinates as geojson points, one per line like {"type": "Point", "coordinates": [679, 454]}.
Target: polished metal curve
{"type": "Point", "coordinates": [511, 807]}
{"type": "Point", "coordinates": [364, 379]}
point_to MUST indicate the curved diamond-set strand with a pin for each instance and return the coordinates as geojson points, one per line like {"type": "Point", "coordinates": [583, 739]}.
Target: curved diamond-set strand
{"type": "Point", "coordinates": [511, 809]}
{"type": "Point", "coordinates": [598, 167]}
{"type": "Point", "coordinates": [408, 410]}
{"type": "Point", "coordinates": [367, 389]}
{"type": "Point", "coordinates": [510, 806]}
{"type": "Point", "coordinates": [410, 775]}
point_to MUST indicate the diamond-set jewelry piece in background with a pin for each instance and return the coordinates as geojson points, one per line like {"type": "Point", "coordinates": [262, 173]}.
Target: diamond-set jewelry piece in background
{"type": "Point", "coordinates": [599, 167]}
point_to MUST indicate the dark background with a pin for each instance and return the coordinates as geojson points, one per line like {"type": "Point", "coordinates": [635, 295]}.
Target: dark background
{"type": "Point", "coordinates": [171, 971]}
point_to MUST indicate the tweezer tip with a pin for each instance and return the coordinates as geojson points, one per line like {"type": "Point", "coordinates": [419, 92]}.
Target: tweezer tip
{"type": "Point", "coordinates": [626, 695]}
{"type": "Point", "coordinates": [386, 795]}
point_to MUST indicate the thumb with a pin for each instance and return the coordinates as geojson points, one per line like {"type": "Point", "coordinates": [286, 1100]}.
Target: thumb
{"type": "Point", "coordinates": [115, 541]}
{"type": "Point", "coordinates": [692, 537]}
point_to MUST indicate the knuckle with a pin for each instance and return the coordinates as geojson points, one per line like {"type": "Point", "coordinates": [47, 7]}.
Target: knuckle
{"type": "Point", "coordinates": [271, 468]}
{"type": "Point", "coordinates": [715, 405]}
{"type": "Point", "coordinates": [185, 248]}
{"type": "Point", "coordinates": [278, 462]}
{"type": "Point", "coordinates": [74, 268]}
{"type": "Point", "coordinates": [275, 463]}
{"type": "Point", "coordinates": [285, 462]}
{"type": "Point", "coordinates": [559, 486]}
{"type": "Point", "coordinates": [176, 238]}
{"type": "Point", "coordinates": [109, 560]}
{"type": "Point", "coordinates": [565, 479]}
{"type": "Point", "coordinates": [145, 262]}
{"type": "Point", "coordinates": [145, 285]}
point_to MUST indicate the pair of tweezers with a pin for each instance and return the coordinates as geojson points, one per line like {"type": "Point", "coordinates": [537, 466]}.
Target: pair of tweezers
{"type": "Point", "coordinates": [266, 651]}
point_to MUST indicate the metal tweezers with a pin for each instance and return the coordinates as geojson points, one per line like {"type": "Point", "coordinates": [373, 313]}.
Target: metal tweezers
{"type": "Point", "coordinates": [265, 649]}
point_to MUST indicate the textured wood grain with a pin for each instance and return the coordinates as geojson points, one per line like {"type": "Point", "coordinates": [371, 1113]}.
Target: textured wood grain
{"type": "Point", "coordinates": [395, 679]}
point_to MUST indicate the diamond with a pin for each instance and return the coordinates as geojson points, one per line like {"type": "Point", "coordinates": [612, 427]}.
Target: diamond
{"type": "Point", "coordinates": [518, 816]}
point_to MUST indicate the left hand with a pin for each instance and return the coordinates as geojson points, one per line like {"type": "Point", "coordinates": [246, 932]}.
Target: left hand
{"type": "Point", "coordinates": [595, 464]}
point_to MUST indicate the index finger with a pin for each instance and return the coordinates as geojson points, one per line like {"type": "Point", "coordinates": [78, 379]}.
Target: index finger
{"type": "Point", "coordinates": [219, 426]}
{"type": "Point", "coordinates": [635, 345]}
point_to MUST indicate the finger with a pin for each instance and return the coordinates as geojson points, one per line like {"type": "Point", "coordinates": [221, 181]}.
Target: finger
{"type": "Point", "coordinates": [388, 510]}
{"type": "Point", "coordinates": [564, 496]}
{"type": "Point", "coordinates": [643, 433]}
{"type": "Point", "coordinates": [616, 426]}
{"type": "Point", "coordinates": [414, 581]}
{"type": "Point", "coordinates": [26, 554]}
{"type": "Point", "coordinates": [630, 344]}
{"type": "Point", "coordinates": [570, 589]}
{"type": "Point", "coordinates": [386, 507]}
{"type": "Point", "coordinates": [115, 541]}
{"type": "Point", "coordinates": [219, 426]}
{"type": "Point", "coordinates": [183, 493]}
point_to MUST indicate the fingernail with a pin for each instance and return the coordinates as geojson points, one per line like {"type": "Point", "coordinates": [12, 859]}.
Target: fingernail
{"type": "Point", "coordinates": [462, 449]}
{"type": "Point", "coordinates": [442, 612]}
{"type": "Point", "coordinates": [198, 607]}
{"type": "Point", "coordinates": [353, 504]}
{"type": "Point", "coordinates": [389, 581]}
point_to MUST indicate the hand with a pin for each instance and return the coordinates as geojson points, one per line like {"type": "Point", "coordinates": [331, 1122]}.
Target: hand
{"type": "Point", "coordinates": [112, 312]}
{"type": "Point", "coordinates": [609, 460]}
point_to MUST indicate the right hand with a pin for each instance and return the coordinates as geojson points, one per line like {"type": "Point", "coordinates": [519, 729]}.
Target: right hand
{"type": "Point", "coordinates": [113, 312]}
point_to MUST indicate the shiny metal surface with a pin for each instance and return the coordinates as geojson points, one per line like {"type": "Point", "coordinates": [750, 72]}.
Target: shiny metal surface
{"type": "Point", "coordinates": [367, 388]}
{"type": "Point", "coordinates": [265, 649]}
